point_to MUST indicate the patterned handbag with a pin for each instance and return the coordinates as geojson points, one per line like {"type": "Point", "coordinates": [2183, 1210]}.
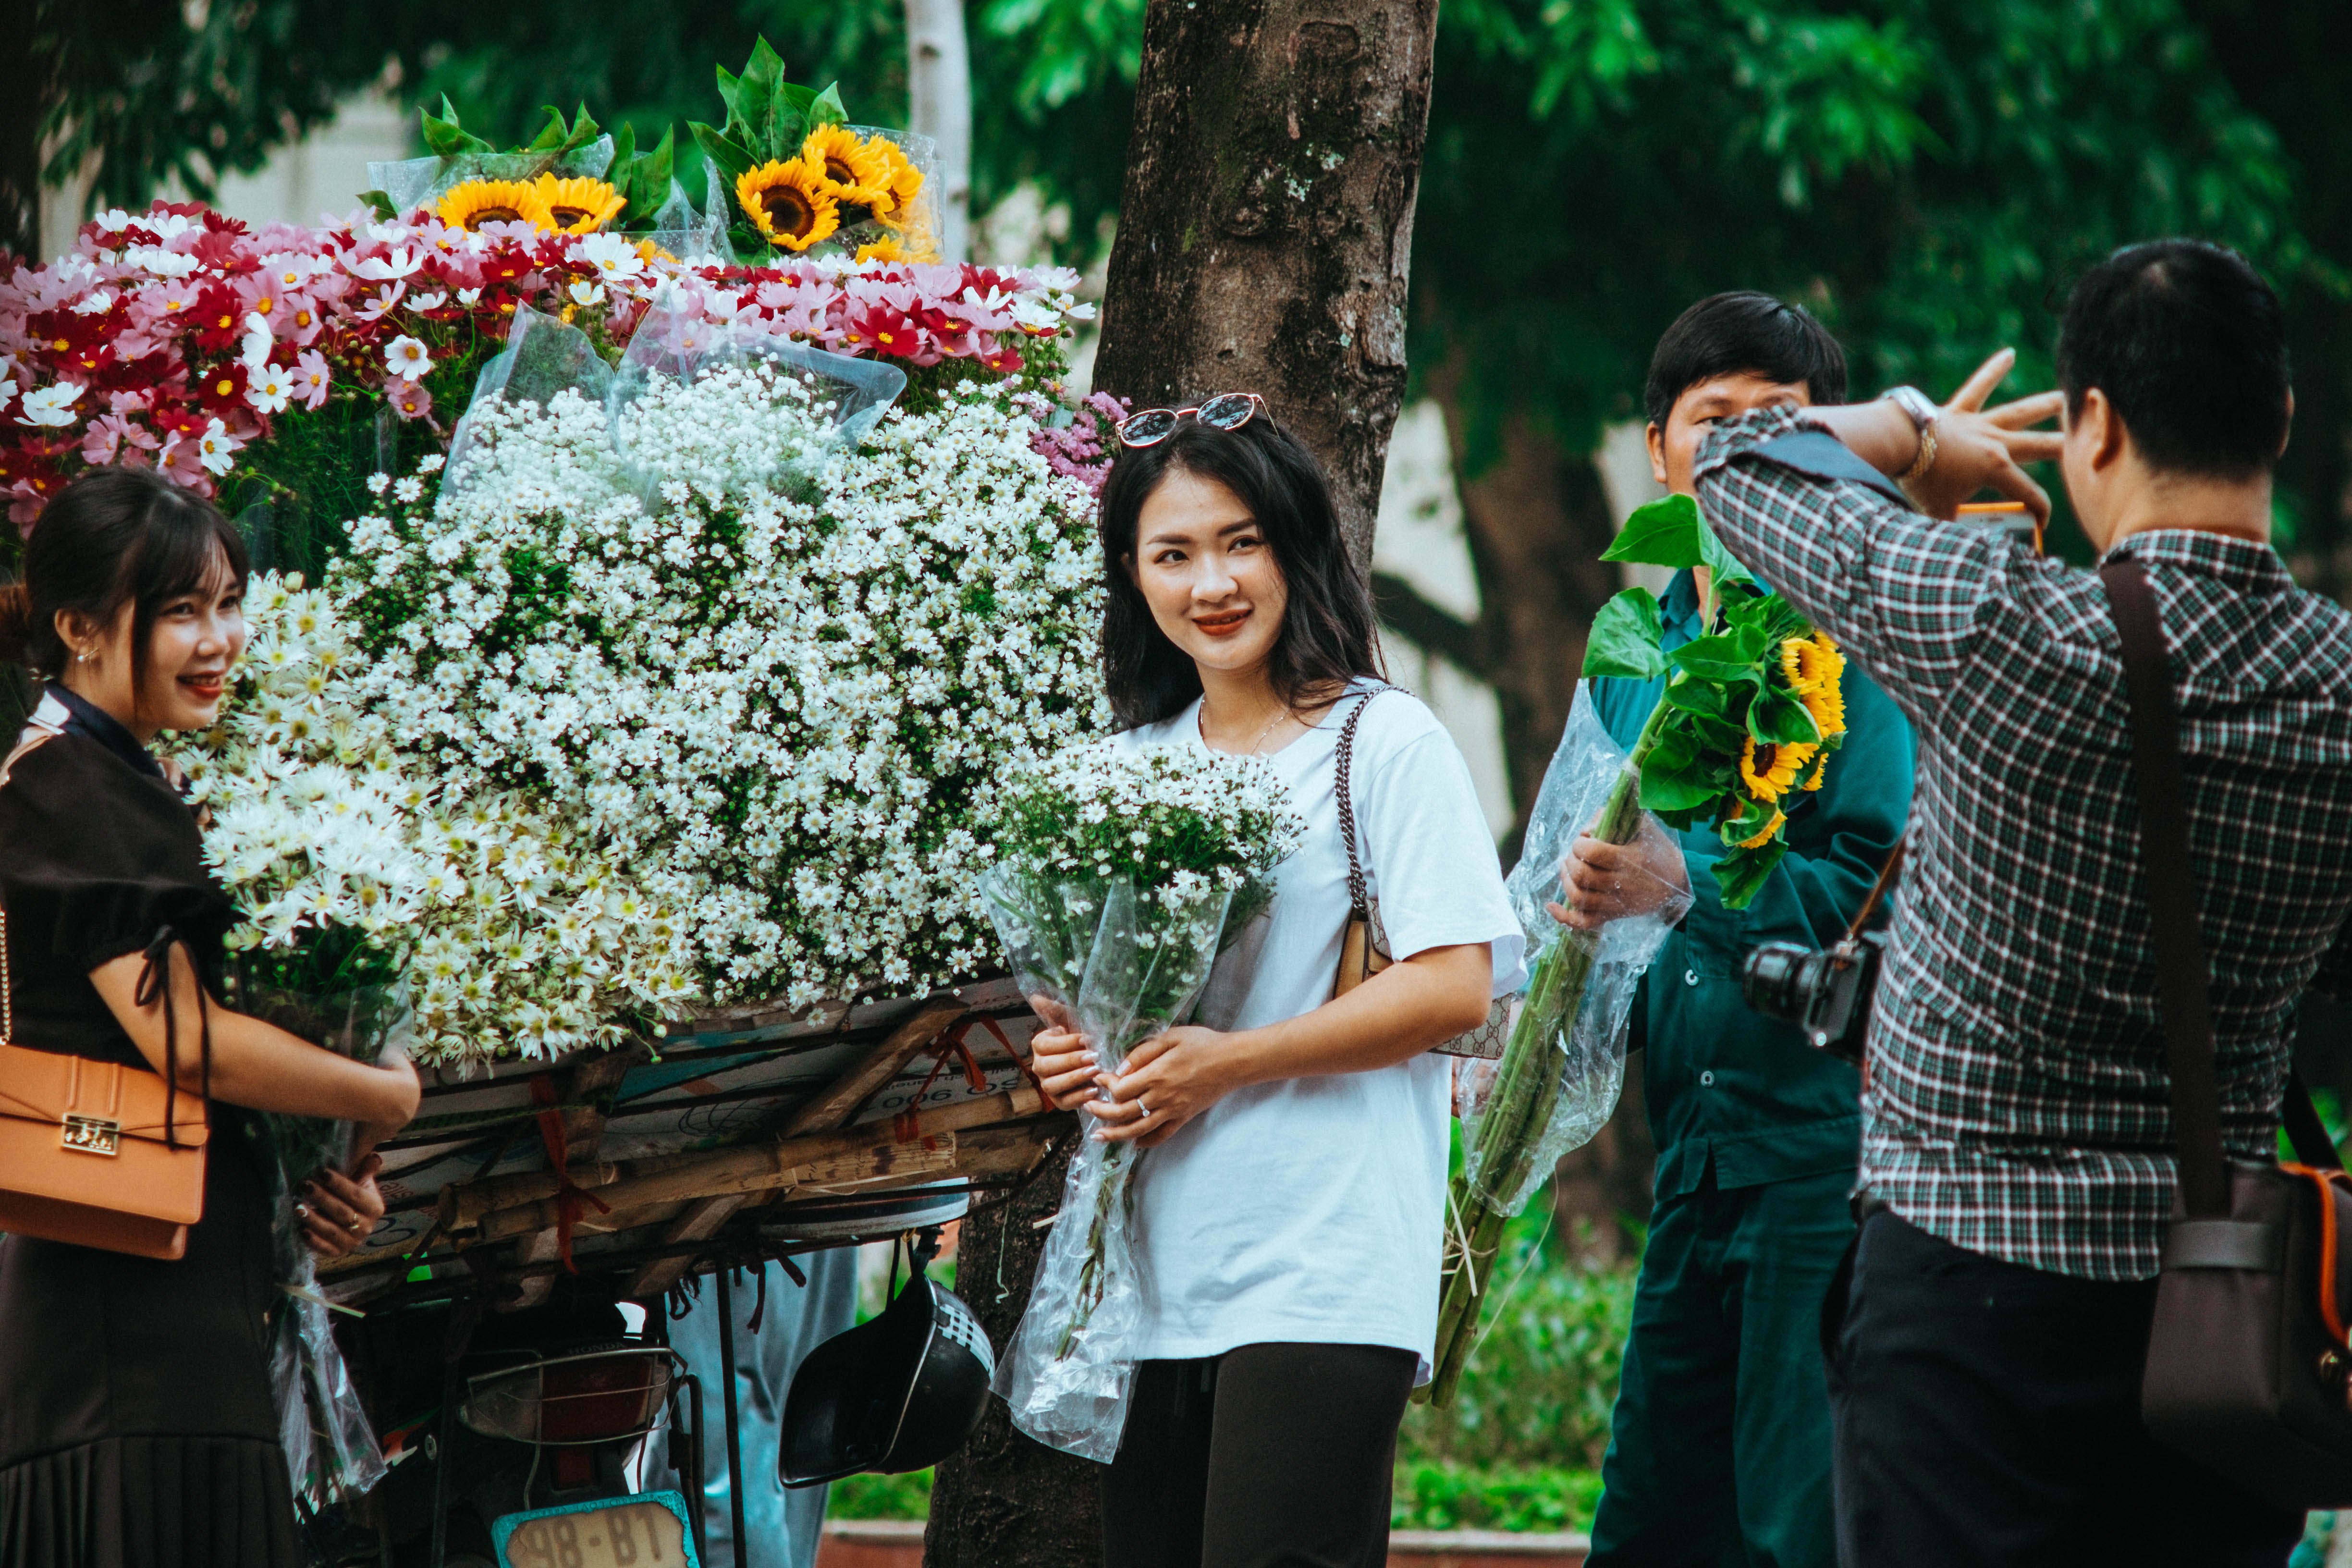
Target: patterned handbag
{"type": "Point", "coordinates": [1364, 950]}
{"type": "Point", "coordinates": [97, 1153]}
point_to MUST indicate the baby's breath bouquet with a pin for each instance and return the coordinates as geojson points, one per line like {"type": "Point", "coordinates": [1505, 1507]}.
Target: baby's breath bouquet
{"type": "Point", "coordinates": [1120, 876]}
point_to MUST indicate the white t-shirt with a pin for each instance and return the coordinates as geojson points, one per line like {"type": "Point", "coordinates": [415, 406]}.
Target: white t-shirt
{"type": "Point", "coordinates": [1313, 1208]}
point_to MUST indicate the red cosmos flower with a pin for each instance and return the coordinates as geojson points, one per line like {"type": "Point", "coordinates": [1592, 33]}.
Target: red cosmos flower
{"type": "Point", "coordinates": [218, 317]}
{"type": "Point", "coordinates": [506, 267]}
{"type": "Point", "coordinates": [222, 245]}
{"type": "Point", "coordinates": [1004, 361]}
{"type": "Point", "coordinates": [890, 331]}
{"type": "Point", "coordinates": [222, 388]}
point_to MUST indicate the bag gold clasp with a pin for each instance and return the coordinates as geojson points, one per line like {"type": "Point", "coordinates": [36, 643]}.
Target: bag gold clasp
{"type": "Point", "coordinates": [93, 1135]}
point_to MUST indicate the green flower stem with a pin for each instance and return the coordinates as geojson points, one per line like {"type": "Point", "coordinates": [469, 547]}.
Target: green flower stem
{"type": "Point", "coordinates": [1110, 1193]}
{"type": "Point", "coordinates": [1526, 1091]}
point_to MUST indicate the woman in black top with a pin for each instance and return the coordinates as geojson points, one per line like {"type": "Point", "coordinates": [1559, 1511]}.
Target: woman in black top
{"type": "Point", "coordinates": [136, 1423]}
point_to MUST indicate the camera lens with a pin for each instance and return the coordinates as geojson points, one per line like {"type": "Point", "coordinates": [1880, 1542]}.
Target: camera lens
{"type": "Point", "coordinates": [1780, 978]}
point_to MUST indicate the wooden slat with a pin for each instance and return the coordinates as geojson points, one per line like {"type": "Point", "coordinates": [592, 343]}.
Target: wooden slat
{"type": "Point", "coordinates": [826, 1112]}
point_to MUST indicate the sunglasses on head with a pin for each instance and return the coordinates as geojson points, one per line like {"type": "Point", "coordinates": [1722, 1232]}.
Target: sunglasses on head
{"type": "Point", "coordinates": [1226, 411]}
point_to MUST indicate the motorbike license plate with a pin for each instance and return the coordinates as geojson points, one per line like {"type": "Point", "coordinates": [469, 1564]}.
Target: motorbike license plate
{"type": "Point", "coordinates": [647, 1531]}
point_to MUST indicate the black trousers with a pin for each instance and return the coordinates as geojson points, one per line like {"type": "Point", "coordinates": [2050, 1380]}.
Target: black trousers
{"type": "Point", "coordinates": [1987, 1414]}
{"type": "Point", "coordinates": [1271, 1456]}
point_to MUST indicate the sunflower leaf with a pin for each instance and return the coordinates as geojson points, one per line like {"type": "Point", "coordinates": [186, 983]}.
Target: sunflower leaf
{"type": "Point", "coordinates": [722, 149]}
{"type": "Point", "coordinates": [553, 136]}
{"type": "Point", "coordinates": [1740, 874]}
{"type": "Point", "coordinates": [1719, 560]}
{"type": "Point", "coordinates": [444, 137]}
{"type": "Point", "coordinates": [1732, 657]}
{"type": "Point", "coordinates": [1665, 532]}
{"type": "Point", "coordinates": [1624, 640]}
{"type": "Point", "coordinates": [1778, 717]}
{"type": "Point", "coordinates": [826, 109]}
{"type": "Point", "coordinates": [1690, 789]}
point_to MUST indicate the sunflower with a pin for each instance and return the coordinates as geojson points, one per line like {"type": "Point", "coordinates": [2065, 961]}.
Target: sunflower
{"type": "Point", "coordinates": [476, 202]}
{"type": "Point", "coordinates": [578, 205]}
{"type": "Point", "coordinates": [886, 249]}
{"type": "Point", "coordinates": [1815, 672]}
{"type": "Point", "coordinates": [1764, 834]}
{"type": "Point", "coordinates": [1814, 775]}
{"type": "Point", "coordinates": [790, 202]}
{"type": "Point", "coordinates": [901, 181]}
{"type": "Point", "coordinates": [857, 173]}
{"type": "Point", "coordinates": [1769, 771]}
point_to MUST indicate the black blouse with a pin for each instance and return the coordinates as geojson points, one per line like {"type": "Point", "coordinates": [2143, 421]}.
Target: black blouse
{"type": "Point", "coordinates": [99, 857]}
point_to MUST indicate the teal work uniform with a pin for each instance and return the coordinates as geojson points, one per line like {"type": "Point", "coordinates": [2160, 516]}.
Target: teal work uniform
{"type": "Point", "coordinates": [1719, 1446]}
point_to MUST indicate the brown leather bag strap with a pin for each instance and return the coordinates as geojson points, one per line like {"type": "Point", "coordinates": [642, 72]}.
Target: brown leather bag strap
{"type": "Point", "coordinates": [2183, 988]}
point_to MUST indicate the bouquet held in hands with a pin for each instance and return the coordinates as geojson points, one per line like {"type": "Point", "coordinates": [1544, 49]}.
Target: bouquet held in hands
{"type": "Point", "coordinates": [1121, 878]}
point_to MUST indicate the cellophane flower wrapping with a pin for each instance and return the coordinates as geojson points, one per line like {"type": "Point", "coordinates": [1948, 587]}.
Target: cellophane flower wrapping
{"type": "Point", "coordinates": [1586, 1027]}
{"type": "Point", "coordinates": [1125, 874]}
{"type": "Point", "coordinates": [329, 1446]}
{"type": "Point", "coordinates": [1128, 965]}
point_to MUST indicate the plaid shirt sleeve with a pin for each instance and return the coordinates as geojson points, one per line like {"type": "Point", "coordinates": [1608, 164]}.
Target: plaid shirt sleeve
{"type": "Point", "coordinates": [1899, 591]}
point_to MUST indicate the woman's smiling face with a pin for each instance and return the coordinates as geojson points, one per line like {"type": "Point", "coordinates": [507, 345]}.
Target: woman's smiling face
{"type": "Point", "coordinates": [1204, 567]}
{"type": "Point", "coordinates": [196, 639]}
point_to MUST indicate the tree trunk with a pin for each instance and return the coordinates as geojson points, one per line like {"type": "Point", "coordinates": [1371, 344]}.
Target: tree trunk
{"type": "Point", "coordinates": [1265, 231]}
{"type": "Point", "coordinates": [939, 90]}
{"type": "Point", "coordinates": [1537, 518]}
{"type": "Point", "coordinates": [1003, 1500]}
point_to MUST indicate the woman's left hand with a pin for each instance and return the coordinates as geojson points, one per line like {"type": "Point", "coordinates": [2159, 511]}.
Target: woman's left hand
{"type": "Point", "coordinates": [1167, 1080]}
{"type": "Point", "coordinates": [338, 1212]}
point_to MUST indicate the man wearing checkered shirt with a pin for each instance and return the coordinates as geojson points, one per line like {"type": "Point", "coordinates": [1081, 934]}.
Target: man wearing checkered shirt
{"type": "Point", "coordinates": [2017, 1159]}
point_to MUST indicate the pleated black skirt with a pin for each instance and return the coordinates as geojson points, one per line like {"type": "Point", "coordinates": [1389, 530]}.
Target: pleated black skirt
{"type": "Point", "coordinates": [137, 1428]}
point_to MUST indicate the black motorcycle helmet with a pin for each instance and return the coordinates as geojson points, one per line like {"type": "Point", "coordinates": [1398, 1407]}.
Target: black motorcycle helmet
{"type": "Point", "coordinates": [898, 1394]}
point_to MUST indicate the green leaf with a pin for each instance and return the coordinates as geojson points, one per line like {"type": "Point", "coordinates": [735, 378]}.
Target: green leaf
{"type": "Point", "coordinates": [1665, 532]}
{"type": "Point", "coordinates": [1733, 655]}
{"type": "Point", "coordinates": [729, 85]}
{"type": "Point", "coordinates": [1740, 874]}
{"type": "Point", "coordinates": [826, 109]}
{"type": "Point", "coordinates": [552, 135]}
{"type": "Point", "coordinates": [444, 137]}
{"type": "Point", "coordinates": [1689, 789]}
{"type": "Point", "coordinates": [756, 89]}
{"type": "Point", "coordinates": [380, 203]}
{"type": "Point", "coordinates": [722, 149]}
{"type": "Point", "coordinates": [1777, 718]}
{"type": "Point", "coordinates": [1719, 561]}
{"type": "Point", "coordinates": [1625, 637]}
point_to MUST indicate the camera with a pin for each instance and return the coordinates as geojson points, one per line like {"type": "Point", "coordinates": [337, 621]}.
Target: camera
{"type": "Point", "coordinates": [1824, 992]}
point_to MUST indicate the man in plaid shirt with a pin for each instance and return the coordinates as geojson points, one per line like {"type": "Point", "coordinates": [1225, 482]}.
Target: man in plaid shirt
{"type": "Point", "coordinates": [2017, 1142]}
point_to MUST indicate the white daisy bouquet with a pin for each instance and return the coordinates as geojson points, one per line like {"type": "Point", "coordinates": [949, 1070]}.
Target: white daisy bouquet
{"type": "Point", "coordinates": [1120, 876]}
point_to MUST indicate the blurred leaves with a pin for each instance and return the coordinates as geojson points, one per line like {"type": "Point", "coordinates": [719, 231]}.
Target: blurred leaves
{"type": "Point", "coordinates": [1926, 178]}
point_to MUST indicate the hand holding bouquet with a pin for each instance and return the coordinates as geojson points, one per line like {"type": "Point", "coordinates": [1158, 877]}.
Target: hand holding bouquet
{"type": "Point", "coordinates": [1120, 877]}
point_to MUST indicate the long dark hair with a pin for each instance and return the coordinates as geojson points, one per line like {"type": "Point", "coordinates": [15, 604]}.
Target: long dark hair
{"type": "Point", "coordinates": [1329, 635]}
{"type": "Point", "coordinates": [113, 537]}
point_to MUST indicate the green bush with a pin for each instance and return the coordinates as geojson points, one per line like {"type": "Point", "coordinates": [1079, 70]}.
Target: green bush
{"type": "Point", "coordinates": [1539, 1387]}
{"type": "Point", "coordinates": [881, 1497]}
{"type": "Point", "coordinates": [1455, 1497]}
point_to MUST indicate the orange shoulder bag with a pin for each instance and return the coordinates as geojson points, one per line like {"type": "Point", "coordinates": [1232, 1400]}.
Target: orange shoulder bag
{"type": "Point", "coordinates": [97, 1153]}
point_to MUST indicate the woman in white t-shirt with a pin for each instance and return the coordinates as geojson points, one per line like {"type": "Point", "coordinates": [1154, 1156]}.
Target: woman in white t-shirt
{"type": "Point", "coordinates": [1290, 1216]}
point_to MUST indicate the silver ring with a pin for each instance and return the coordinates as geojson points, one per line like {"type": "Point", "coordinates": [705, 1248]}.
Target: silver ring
{"type": "Point", "coordinates": [1143, 1105]}
{"type": "Point", "coordinates": [355, 1227]}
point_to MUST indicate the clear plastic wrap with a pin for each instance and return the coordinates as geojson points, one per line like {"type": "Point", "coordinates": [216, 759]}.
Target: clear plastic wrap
{"type": "Point", "coordinates": [330, 1449]}
{"type": "Point", "coordinates": [544, 356]}
{"type": "Point", "coordinates": [1121, 966]}
{"type": "Point", "coordinates": [1580, 997]}
{"type": "Point", "coordinates": [412, 182]}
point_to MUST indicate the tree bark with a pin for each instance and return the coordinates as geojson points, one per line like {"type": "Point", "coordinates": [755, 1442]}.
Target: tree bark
{"type": "Point", "coordinates": [1265, 230]}
{"type": "Point", "coordinates": [939, 90]}
{"type": "Point", "coordinates": [1003, 1500]}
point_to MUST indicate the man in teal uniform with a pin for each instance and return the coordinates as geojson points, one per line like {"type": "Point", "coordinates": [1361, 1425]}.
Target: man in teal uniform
{"type": "Point", "coordinates": [1719, 1447]}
